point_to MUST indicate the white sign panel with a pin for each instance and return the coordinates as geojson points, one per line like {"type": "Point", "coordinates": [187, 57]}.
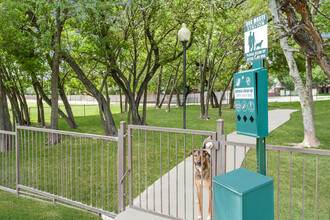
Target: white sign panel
{"type": "Point", "coordinates": [256, 38]}
{"type": "Point", "coordinates": [244, 93]}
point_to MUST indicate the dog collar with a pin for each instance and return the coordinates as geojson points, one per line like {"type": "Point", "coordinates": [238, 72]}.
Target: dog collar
{"type": "Point", "coordinates": [198, 175]}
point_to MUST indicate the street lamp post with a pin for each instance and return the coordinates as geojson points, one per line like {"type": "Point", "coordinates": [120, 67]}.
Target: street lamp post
{"type": "Point", "coordinates": [184, 36]}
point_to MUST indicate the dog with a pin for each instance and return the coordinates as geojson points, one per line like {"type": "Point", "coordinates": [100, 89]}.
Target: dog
{"type": "Point", "coordinates": [259, 44]}
{"type": "Point", "coordinates": [201, 160]}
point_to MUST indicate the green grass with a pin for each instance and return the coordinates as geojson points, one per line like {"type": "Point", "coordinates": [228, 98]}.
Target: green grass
{"type": "Point", "coordinates": [292, 131]}
{"type": "Point", "coordinates": [13, 207]}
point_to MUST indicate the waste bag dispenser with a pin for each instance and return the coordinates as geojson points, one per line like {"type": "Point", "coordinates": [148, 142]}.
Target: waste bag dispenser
{"type": "Point", "coordinates": [251, 102]}
{"type": "Point", "coordinates": [243, 195]}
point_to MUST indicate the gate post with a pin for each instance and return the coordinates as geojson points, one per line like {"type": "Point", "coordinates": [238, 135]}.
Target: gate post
{"type": "Point", "coordinates": [221, 153]}
{"type": "Point", "coordinates": [17, 158]}
{"type": "Point", "coordinates": [121, 167]}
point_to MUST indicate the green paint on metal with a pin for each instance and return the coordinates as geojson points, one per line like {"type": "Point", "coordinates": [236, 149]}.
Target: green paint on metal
{"type": "Point", "coordinates": [261, 156]}
{"type": "Point", "coordinates": [251, 102]}
{"type": "Point", "coordinates": [243, 195]}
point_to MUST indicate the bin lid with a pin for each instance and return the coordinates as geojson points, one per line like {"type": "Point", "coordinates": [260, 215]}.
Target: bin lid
{"type": "Point", "coordinates": [242, 181]}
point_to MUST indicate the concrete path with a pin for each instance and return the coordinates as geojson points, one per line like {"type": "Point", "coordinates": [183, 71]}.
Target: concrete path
{"type": "Point", "coordinates": [172, 191]}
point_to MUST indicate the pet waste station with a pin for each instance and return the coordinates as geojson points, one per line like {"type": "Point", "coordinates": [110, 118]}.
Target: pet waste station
{"type": "Point", "coordinates": [243, 194]}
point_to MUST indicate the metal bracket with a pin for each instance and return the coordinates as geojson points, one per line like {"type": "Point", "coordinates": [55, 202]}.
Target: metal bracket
{"type": "Point", "coordinates": [123, 177]}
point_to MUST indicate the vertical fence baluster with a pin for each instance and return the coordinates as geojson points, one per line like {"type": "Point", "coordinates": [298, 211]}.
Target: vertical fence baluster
{"type": "Point", "coordinates": [67, 168]}
{"type": "Point", "coordinates": [21, 158]}
{"type": "Point", "coordinates": [45, 173]}
{"type": "Point", "coordinates": [97, 174]}
{"type": "Point", "coordinates": [139, 152]}
{"type": "Point", "coordinates": [102, 174]}
{"type": "Point", "coordinates": [40, 159]}
{"type": "Point", "coordinates": [202, 178]}
{"type": "Point", "coordinates": [17, 160]}
{"type": "Point", "coordinates": [154, 166]}
{"type": "Point", "coordinates": [7, 159]}
{"type": "Point", "coordinates": [91, 172]}
{"type": "Point", "coordinates": [193, 180]}
{"type": "Point", "coordinates": [161, 173]}
{"type": "Point", "coordinates": [62, 166]}
{"type": "Point", "coordinates": [58, 140]}
{"type": "Point", "coordinates": [76, 169]}
{"type": "Point", "coordinates": [12, 144]}
{"type": "Point", "coordinates": [114, 176]}
{"type": "Point", "coordinates": [108, 176]}
{"type": "Point", "coordinates": [278, 185]}
{"type": "Point", "coordinates": [184, 177]}
{"type": "Point", "coordinates": [303, 189]}
{"type": "Point", "coordinates": [54, 136]}
{"type": "Point", "coordinates": [177, 175]}
{"type": "Point", "coordinates": [290, 184]}
{"type": "Point", "coordinates": [130, 162]}
{"type": "Point", "coordinates": [146, 165]}
{"type": "Point", "coordinates": [316, 179]}
{"type": "Point", "coordinates": [6, 156]}
{"type": "Point", "coordinates": [37, 174]}
{"type": "Point", "coordinates": [1, 166]}
{"type": "Point", "coordinates": [86, 168]}
{"type": "Point", "coordinates": [71, 169]}
{"type": "Point", "coordinates": [28, 149]}
{"type": "Point", "coordinates": [81, 172]}
{"type": "Point", "coordinates": [168, 173]}
{"type": "Point", "coordinates": [32, 164]}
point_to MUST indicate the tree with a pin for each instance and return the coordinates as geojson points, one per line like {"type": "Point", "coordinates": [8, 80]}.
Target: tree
{"type": "Point", "coordinates": [304, 32]}
{"type": "Point", "coordinates": [306, 100]}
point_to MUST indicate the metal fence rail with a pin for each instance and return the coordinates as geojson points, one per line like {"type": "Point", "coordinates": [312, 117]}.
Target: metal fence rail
{"type": "Point", "coordinates": [7, 161]}
{"type": "Point", "coordinates": [296, 178]}
{"type": "Point", "coordinates": [74, 168]}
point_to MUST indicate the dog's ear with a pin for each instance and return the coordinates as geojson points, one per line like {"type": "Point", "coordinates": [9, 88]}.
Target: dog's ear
{"type": "Point", "coordinates": [192, 152]}
{"type": "Point", "coordinates": [208, 156]}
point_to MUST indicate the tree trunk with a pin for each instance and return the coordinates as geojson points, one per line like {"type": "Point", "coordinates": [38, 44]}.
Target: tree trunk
{"type": "Point", "coordinates": [170, 99]}
{"type": "Point", "coordinates": [231, 96]}
{"type": "Point", "coordinates": [178, 103]}
{"type": "Point", "coordinates": [144, 117]}
{"type": "Point", "coordinates": [214, 99]}
{"type": "Point", "coordinates": [223, 95]}
{"type": "Point", "coordinates": [164, 96]}
{"type": "Point", "coordinates": [202, 89]}
{"type": "Point", "coordinates": [5, 123]}
{"type": "Point", "coordinates": [47, 100]}
{"type": "Point", "coordinates": [55, 72]}
{"type": "Point", "coordinates": [175, 83]}
{"type": "Point", "coordinates": [107, 121]}
{"type": "Point", "coordinates": [67, 106]}
{"type": "Point", "coordinates": [107, 94]}
{"type": "Point", "coordinates": [310, 139]}
{"type": "Point", "coordinates": [121, 101]}
{"type": "Point", "coordinates": [159, 87]}
{"type": "Point", "coordinates": [38, 107]}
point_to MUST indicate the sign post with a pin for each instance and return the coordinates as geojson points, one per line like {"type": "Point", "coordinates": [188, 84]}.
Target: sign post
{"type": "Point", "coordinates": [251, 92]}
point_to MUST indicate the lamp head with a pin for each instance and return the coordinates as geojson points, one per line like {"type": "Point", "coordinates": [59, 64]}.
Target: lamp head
{"type": "Point", "coordinates": [184, 33]}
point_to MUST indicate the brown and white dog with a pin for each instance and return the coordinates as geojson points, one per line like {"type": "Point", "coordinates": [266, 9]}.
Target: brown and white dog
{"type": "Point", "coordinates": [202, 164]}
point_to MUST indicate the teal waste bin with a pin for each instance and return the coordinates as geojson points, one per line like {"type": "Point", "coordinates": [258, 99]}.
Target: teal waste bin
{"type": "Point", "coordinates": [243, 194]}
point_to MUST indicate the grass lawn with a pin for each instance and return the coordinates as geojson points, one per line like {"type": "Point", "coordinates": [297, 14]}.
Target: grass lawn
{"type": "Point", "coordinates": [13, 207]}
{"type": "Point", "coordinates": [292, 131]}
